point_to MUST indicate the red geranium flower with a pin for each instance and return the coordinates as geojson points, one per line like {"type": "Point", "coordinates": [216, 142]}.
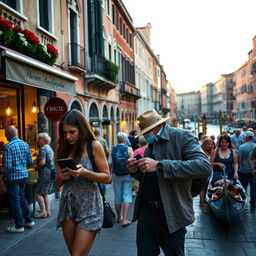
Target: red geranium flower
{"type": "Point", "coordinates": [52, 49]}
{"type": "Point", "coordinates": [18, 29]}
{"type": "Point", "coordinates": [30, 36]}
{"type": "Point", "coordinates": [5, 24]}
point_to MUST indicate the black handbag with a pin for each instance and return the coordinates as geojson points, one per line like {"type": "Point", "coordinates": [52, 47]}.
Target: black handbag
{"type": "Point", "coordinates": [109, 215]}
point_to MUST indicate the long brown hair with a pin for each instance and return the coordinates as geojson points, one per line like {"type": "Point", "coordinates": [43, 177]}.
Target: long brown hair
{"type": "Point", "coordinates": [77, 119]}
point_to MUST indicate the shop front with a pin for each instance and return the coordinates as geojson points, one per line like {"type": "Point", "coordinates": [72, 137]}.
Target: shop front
{"type": "Point", "coordinates": [25, 87]}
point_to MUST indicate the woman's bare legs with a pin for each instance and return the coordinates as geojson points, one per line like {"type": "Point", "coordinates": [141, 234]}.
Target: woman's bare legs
{"type": "Point", "coordinates": [40, 200]}
{"type": "Point", "coordinates": [68, 229]}
{"type": "Point", "coordinates": [78, 241]}
{"type": "Point", "coordinates": [82, 241]}
{"type": "Point", "coordinates": [47, 204]}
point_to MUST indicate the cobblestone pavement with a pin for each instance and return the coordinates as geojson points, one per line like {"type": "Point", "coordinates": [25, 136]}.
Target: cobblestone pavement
{"type": "Point", "coordinates": [206, 237]}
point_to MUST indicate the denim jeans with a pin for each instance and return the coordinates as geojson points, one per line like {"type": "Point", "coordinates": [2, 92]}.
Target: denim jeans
{"type": "Point", "coordinates": [18, 202]}
{"type": "Point", "coordinates": [153, 233]}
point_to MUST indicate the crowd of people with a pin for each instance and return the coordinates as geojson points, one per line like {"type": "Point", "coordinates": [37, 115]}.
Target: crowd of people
{"type": "Point", "coordinates": [235, 154]}
{"type": "Point", "coordinates": [157, 164]}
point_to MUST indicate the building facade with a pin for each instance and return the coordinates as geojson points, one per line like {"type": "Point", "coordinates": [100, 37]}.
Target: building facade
{"type": "Point", "coordinates": [188, 105]}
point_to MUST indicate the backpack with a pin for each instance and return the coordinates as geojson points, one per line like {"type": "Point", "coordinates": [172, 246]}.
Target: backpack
{"type": "Point", "coordinates": [119, 157]}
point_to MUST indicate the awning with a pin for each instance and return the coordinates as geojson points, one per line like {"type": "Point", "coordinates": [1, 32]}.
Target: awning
{"type": "Point", "coordinates": [22, 69]}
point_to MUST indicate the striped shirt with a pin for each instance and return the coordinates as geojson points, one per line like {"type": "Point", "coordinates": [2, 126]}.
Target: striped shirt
{"type": "Point", "coordinates": [16, 159]}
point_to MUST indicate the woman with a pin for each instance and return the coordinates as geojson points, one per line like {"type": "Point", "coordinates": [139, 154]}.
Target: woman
{"type": "Point", "coordinates": [207, 146]}
{"type": "Point", "coordinates": [122, 181]}
{"type": "Point", "coordinates": [81, 208]}
{"type": "Point", "coordinates": [224, 156]}
{"type": "Point", "coordinates": [44, 162]}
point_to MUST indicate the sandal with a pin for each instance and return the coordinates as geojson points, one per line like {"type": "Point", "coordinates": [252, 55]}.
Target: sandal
{"type": "Point", "coordinates": [127, 224]}
{"type": "Point", "coordinates": [119, 220]}
{"type": "Point", "coordinates": [40, 215]}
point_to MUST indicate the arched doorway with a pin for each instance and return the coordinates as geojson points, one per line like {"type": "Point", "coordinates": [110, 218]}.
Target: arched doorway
{"type": "Point", "coordinates": [117, 120]}
{"type": "Point", "coordinates": [105, 124]}
{"type": "Point", "coordinates": [112, 127]}
{"type": "Point", "coordinates": [94, 116]}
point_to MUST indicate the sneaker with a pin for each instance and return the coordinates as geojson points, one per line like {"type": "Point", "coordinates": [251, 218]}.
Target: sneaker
{"type": "Point", "coordinates": [29, 224]}
{"type": "Point", "coordinates": [14, 230]}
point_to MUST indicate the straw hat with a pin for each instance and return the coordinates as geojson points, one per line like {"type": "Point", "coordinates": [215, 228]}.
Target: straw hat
{"type": "Point", "coordinates": [149, 120]}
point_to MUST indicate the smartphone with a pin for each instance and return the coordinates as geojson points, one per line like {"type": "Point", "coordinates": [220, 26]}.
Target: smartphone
{"type": "Point", "coordinates": [67, 162]}
{"type": "Point", "coordinates": [139, 156]}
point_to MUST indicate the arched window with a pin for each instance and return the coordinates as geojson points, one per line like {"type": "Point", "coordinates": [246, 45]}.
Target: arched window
{"type": "Point", "coordinates": [117, 114]}
{"type": "Point", "coordinates": [76, 105]}
{"type": "Point", "coordinates": [112, 117]}
{"type": "Point", "coordinates": [105, 113]}
{"type": "Point", "coordinates": [94, 112]}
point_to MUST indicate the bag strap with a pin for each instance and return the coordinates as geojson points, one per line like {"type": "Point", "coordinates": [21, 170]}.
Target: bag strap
{"type": "Point", "coordinates": [91, 157]}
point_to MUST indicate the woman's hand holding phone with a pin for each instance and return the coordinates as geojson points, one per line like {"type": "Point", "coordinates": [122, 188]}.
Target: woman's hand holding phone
{"type": "Point", "coordinates": [64, 174]}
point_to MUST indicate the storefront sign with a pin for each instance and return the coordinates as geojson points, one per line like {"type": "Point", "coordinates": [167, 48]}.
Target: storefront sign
{"type": "Point", "coordinates": [29, 75]}
{"type": "Point", "coordinates": [55, 108]}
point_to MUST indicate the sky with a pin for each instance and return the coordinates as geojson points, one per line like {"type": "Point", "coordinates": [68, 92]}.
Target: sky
{"type": "Point", "coordinates": [198, 40]}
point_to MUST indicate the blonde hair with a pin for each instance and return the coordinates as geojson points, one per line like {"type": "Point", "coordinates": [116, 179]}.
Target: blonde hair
{"type": "Point", "coordinates": [44, 136]}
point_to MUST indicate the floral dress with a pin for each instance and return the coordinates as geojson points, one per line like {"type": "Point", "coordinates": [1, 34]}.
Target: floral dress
{"type": "Point", "coordinates": [81, 201]}
{"type": "Point", "coordinates": [45, 182]}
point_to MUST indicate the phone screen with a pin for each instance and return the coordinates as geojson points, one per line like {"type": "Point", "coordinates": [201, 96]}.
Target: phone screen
{"type": "Point", "coordinates": [139, 156]}
{"type": "Point", "coordinates": [67, 162]}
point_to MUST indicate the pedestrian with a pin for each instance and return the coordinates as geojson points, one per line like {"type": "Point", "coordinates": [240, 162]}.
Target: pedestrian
{"type": "Point", "coordinates": [104, 144]}
{"type": "Point", "coordinates": [235, 138]}
{"type": "Point", "coordinates": [200, 137]}
{"type": "Point", "coordinates": [122, 181]}
{"type": "Point", "coordinates": [102, 141]}
{"type": "Point", "coordinates": [224, 157]}
{"type": "Point", "coordinates": [142, 146]}
{"type": "Point", "coordinates": [208, 147]}
{"type": "Point", "coordinates": [246, 168]}
{"type": "Point", "coordinates": [44, 163]}
{"type": "Point", "coordinates": [81, 208]}
{"type": "Point", "coordinates": [164, 205]}
{"type": "Point", "coordinates": [134, 141]}
{"type": "Point", "coordinates": [17, 159]}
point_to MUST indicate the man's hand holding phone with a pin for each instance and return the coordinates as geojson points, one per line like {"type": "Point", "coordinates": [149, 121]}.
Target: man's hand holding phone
{"type": "Point", "coordinates": [132, 163]}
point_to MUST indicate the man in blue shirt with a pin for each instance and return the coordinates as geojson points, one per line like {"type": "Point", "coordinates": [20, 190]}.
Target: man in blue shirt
{"type": "Point", "coordinates": [16, 160]}
{"type": "Point", "coordinates": [246, 168]}
{"type": "Point", "coordinates": [236, 139]}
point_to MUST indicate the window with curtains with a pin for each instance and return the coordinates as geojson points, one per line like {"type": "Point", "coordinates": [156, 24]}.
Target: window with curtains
{"type": "Point", "coordinates": [46, 14]}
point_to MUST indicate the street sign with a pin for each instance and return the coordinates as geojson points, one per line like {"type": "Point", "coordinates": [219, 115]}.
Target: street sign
{"type": "Point", "coordinates": [55, 108]}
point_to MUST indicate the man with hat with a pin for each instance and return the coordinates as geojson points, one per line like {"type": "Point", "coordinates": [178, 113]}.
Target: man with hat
{"type": "Point", "coordinates": [246, 167]}
{"type": "Point", "coordinates": [164, 205]}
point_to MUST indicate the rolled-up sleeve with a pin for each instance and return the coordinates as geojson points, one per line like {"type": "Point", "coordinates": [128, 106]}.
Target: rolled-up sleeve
{"type": "Point", "coordinates": [193, 163]}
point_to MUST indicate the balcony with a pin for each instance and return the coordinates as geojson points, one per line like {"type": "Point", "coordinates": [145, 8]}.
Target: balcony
{"type": "Point", "coordinates": [127, 90]}
{"type": "Point", "coordinates": [76, 57]}
{"type": "Point", "coordinates": [101, 73]}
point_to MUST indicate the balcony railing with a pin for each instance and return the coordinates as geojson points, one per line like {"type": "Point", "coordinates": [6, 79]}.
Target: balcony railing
{"type": "Point", "coordinates": [128, 89]}
{"type": "Point", "coordinates": [100, 65]}
{"type": "Point", "coordinates": [76, 56]}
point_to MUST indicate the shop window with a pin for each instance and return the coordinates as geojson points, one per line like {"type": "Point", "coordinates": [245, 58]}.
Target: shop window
{"type": "Point", "coordinates": [46, 14]}
{"type": "Point", "coordinates": [30, 117]}
{"type": "Point", "coordinates": [8, 112]}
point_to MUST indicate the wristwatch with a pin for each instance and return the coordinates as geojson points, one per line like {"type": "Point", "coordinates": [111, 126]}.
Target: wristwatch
{"type": "Point", "coordinates": [160, 166]}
